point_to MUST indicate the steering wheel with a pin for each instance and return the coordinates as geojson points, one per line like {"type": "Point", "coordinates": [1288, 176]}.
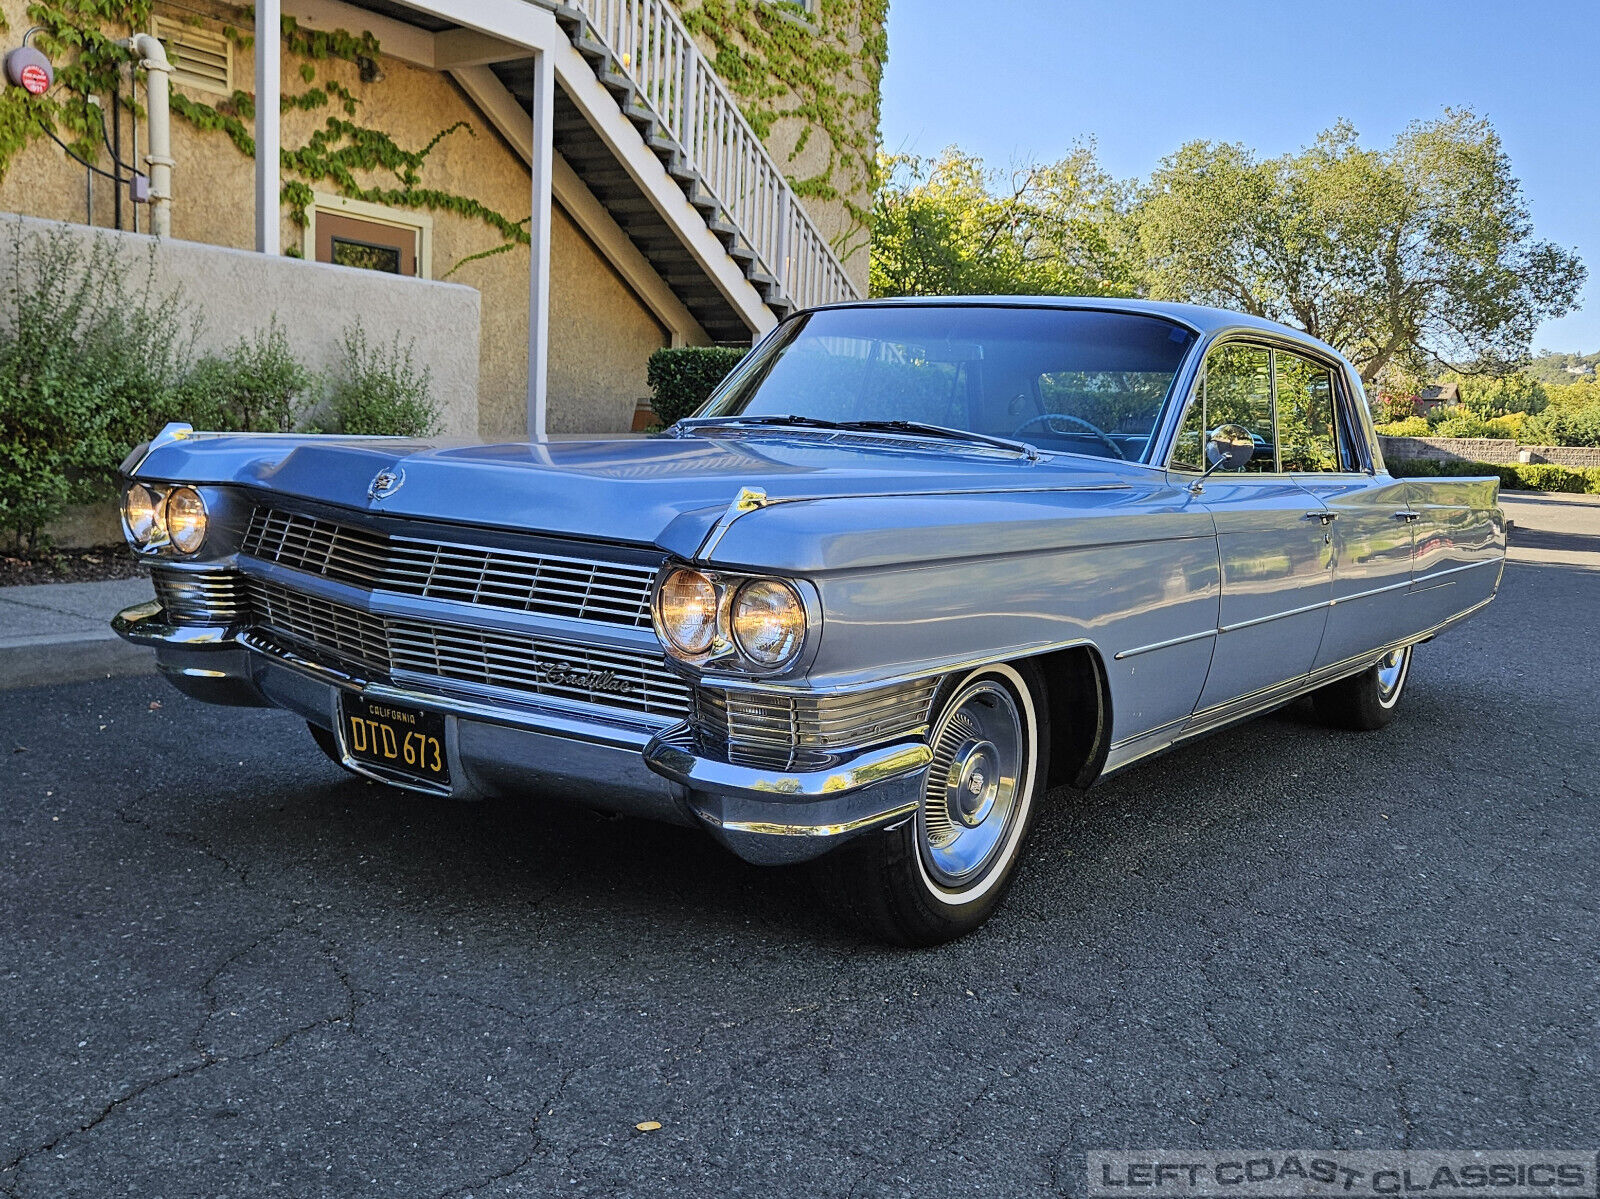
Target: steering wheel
{"type": "Point", "coordinates": [1048, 419]}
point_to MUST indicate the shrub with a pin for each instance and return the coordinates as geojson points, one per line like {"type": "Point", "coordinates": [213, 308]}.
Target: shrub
{"type": "Point", "coordinates": [1462, 423]}
{"type": "Point", "coordinates": [1499, 396]}
{"type": "Point", "coordinates": [379, 390]}
{"type": "Point", "coordinates": [1411, 426]}
{"type": "Point", "coordinates": [91, 356]}
{"type": "Point", "coordinates": [1566, 425]}
{"type": "Point", "coordinates": [257, 386]}
{"type": "Point", "coordinates": [681, 379]}
{"type": "Point", "coordinates": [1392, 409]}
{"type": "Point", "coordinates": [1513, 475]}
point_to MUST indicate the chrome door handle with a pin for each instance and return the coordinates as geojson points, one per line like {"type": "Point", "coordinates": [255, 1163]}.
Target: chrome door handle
{"type": "Point", "coordinates": [1326, 518]}
{"type": "Point", "coordinates": [1406, 514]}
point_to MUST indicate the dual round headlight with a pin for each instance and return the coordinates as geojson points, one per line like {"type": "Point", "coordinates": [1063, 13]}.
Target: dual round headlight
{"type": "Point", "coordinates": [763, 619]}
{"type": "Point", "coordinates": [177, 518]}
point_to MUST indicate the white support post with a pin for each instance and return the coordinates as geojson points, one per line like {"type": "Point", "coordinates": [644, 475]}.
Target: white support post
{"type": "Point", "coordinates": [268, 90]}
{"type": "Point", "coordinates": [541, 169]}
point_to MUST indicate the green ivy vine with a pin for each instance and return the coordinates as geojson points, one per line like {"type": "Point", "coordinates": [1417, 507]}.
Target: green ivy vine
{"type": "Point", "coordinates": [822, 67]}
{"type": "Point", "coordinates": [89, 59]}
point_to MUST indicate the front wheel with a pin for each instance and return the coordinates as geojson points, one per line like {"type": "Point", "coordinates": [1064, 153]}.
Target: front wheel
{"type": "Point", "coordinates": [940, 874]}
{"type": "Point", "coordinates": [1368, 700]}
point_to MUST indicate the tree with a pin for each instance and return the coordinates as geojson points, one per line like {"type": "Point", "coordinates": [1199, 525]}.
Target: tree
{"type": "Point", "coordinates": [1416, 255]}
{"type": "Point", "coordinates": [951, 226]}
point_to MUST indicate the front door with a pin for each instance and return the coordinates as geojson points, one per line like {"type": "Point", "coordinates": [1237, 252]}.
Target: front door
{"type": "Point", "coordinates": [1273, 540]}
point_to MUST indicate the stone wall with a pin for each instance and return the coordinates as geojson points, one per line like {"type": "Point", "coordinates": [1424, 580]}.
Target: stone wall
{"type": "Point", "coordinates": [1488, 449]}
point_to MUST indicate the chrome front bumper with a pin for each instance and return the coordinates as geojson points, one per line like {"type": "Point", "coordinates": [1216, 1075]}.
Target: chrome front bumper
{"type": "Point", "coordinates": [531, 748]}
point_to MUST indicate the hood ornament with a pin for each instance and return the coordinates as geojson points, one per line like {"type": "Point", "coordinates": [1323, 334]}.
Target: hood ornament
{"type": "Point", "coordinates": [385, 483]}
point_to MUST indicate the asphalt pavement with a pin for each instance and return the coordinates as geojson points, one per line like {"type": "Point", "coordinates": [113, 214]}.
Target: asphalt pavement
{"type": "Point", "coordinates": [227, 969]}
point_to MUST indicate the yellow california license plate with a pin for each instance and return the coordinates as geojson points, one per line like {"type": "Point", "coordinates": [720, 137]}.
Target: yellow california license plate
{"type": "Point", "coordinates": [401, 741]}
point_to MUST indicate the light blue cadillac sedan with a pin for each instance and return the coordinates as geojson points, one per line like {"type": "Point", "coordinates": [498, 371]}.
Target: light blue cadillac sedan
{"type": "Point", "coordinates": [915, 564]}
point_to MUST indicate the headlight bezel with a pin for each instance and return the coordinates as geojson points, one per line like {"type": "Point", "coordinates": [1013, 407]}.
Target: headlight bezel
{"type": "Point", "coordinates": [725, 652]}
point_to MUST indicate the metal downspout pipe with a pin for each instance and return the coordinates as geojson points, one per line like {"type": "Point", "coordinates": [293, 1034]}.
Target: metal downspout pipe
{"type": "Point", "coordinates": [158, 83]}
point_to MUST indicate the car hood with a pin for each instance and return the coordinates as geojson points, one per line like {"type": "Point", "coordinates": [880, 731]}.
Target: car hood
{"type": "Point", "coordinates": [663, 491]}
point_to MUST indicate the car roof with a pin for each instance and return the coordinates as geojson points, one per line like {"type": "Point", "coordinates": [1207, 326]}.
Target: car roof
{"type": "Point", "coordinates": [1201, 319]}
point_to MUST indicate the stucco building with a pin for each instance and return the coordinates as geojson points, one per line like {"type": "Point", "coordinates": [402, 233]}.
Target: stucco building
{"type": "Point", "coordinates": [632, 173]}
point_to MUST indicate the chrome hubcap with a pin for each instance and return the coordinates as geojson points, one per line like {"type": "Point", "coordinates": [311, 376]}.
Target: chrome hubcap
{"type": "Point", "coordinates": [970, 801]}
{"type": "Point", "coordinates": [1391, 670]}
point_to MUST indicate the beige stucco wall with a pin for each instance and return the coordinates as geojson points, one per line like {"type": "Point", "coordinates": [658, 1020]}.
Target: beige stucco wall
{"type": "Point", "coordinates": [600, 331]}
{"type": "Point", "coordinates": [232, 291]}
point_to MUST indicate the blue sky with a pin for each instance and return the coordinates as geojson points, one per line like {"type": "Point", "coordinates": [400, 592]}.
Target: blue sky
{"type": "Point", "coordinates": [1014, 80]}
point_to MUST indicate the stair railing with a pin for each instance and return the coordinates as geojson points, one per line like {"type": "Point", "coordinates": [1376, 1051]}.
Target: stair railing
{"type": "Point", "coordinates": [651, 47]}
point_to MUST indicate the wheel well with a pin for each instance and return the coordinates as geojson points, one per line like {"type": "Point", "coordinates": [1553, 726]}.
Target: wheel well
{"type": "Point", "coordinates": [1079, 703]}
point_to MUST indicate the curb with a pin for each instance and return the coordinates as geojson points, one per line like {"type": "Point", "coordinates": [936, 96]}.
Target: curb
{"type": "Point", "coordinates": [53, 658]}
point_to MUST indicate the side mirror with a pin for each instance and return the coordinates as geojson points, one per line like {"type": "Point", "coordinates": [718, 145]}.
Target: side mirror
{"type": "Point", "coordinates": [1229, 447]}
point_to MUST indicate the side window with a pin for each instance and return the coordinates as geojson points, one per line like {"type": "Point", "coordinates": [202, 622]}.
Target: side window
{"type": "Point", "coordinates": [1235, 388]}
{"type": "Point", "coordinates": [1307, 434]}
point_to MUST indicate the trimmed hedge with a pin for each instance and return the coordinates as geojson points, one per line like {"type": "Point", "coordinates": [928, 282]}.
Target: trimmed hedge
{"type": "Point", "coordinates": [1514, 476]}
{"type": "Point", "coordinates": [682, 378]}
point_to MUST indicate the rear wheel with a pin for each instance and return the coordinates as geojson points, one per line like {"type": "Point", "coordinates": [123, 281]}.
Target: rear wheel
{"type": "Point", "coordinates": [1368, 700]}
{"type": "Point", "coordinates": [940, 874]}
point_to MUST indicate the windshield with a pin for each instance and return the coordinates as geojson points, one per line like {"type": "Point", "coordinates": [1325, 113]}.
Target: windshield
{"type": "Point", "coordinates": [1063, 379]}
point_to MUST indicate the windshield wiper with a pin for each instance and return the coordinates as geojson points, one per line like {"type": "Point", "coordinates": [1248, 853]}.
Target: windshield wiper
{"type": "Point", "coordinates": [789, 419]}
{"type": "Point", "coordinates": [944, 431]}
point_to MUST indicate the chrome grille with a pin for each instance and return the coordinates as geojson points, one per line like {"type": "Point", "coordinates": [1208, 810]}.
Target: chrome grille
{"type": "Point", "coordinates": [553, 586]}
{"type": "Point", "coordinates": [767, 729]}
{"type": "Point", "coordinates": [211, 597]}
{"type": "Point", "coordinates": [615, 678]}
{"type": "Point", "coordinates": [346, 634]}
{"type": "Point", "coordinates": [320, 547]}
{"type": "Point", "coordinates": [611, 678]}
{"type": "Point", "coordinates": [549, 584]}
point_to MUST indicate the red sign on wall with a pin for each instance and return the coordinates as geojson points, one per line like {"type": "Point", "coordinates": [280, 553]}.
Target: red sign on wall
{"type": "Point", "coordinates": [30, 70]}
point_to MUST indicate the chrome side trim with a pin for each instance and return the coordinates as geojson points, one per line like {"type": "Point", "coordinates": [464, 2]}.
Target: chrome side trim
{"type": "Point", "coordinates": [1427, 579]}
{"type": "Point", "coordinates": [1209, 720]}
{"type": "Point", "coordinates": [1423, 584]}
{"type": "Point", "coordinates": [734, 512]}
{"type": "Point", "coordinates": [1167, 644]}
{"type": "Point", "coordinates": [1257, 620]}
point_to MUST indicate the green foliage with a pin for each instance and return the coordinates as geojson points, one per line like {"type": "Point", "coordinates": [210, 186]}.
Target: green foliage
{"type": "Point", "coordinates": [1421, 251]}
{"type": "Point", "coordinates": [1513, 475]}
{"type": "Point", "coordinates": [1553, 367]}
{"type": "Point", "coordinates": [88, 61]}
{"type": "Point", "coordinates": [1411, 426]}
{"type": "Point", "coordinates": [380, 391]}
{"type": "Point", "coordinates": [822, 68]}
{"type": "Point", "coordinates": [1462, 422]}
{"type": "Point", "coordinates": [1569, 424]}
{"type": "Point", "coordinates": [1500, 394]}
{"type": "Point", "coordinates": [950, 226]}
{"type": "Point", "coordinates": [91, 359]}
{"type": "Point", "coordinates": [681, 379]}
{"type": "Point", "coordinates": [257, 385]}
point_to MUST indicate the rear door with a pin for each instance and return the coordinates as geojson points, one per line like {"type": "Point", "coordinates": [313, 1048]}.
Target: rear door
{"type": "Point", "coordinates": [1370, 515]}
